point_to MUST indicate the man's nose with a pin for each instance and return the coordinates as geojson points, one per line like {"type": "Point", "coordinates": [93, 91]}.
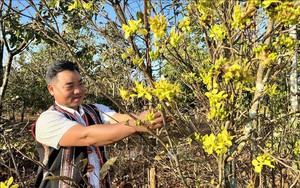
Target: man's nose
{"type": "Point", "coordinates": [78, 90]}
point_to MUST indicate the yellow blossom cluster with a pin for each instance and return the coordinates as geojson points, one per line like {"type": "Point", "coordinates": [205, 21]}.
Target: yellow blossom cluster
{"type": "Point", "coordinates": [162, 90]}
{"type": "Point", "coordinates": [238, 17]}
{"type": "Point", "coordinates": [175, 37]}
{"type": "Point", "coordinates": [216, 143]}
{"type": "Point", "coordinates": [262, 160]}
{"type": "Point", "coordinates": [265, 55]}
{"type": "Point", "coordinates": [234, 70]}
{"type": "Point", "coordinates": [132, 27]}
{"type": "Point", "coordinates": [150, 117]}
{"type": "Point", "coordinates": [287, 12]}
{"type": "Point", "coordinates": [158, 26]}
{"type": "Point", "coordinates": [296, 149]}
{"type": "Point", "coordinates": [9, 183]}
{"type": "Point", "coordinates": [77, 5]}
{"type": "Point", "coordinates": [216, 103]}
{"type": "Point", "coordinates": [218, 32]}
{"type": "Point", "coordinates": [165, 90]}
{"type": "Point", "coordinates": [184, 24]}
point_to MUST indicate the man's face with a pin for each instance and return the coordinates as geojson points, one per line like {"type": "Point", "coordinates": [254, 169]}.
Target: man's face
{"type": "Point", "coordinates": [67, 89]}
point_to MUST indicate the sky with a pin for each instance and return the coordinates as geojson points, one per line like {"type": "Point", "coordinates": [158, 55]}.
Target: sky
{"type": "Point", "coordinates": [135, 5]}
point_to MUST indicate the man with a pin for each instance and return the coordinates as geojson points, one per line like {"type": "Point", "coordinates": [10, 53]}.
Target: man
{"type": "Point", "coordinates": [66, 137]}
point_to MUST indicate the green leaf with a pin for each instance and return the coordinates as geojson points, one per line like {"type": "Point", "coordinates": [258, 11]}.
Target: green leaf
{"type": "Point", "coordinates": [106, 166]}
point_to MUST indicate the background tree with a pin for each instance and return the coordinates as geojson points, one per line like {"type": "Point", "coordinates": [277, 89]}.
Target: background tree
{"type": "Point", "coordinates": [15, 37]}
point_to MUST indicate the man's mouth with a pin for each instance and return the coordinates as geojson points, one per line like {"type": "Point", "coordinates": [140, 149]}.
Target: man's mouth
{"type": "Point", "coordinates": [79, 97]}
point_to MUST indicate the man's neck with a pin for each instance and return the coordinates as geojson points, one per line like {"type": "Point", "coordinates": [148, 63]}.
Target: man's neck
{"type": "Point", "coordinates": [68, 107]}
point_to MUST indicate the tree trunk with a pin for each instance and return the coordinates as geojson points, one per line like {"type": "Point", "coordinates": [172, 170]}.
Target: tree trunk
{"type": "Point", "coordinates": [294, 78]}
{"type": "Point", "coordinates": [4, 81]}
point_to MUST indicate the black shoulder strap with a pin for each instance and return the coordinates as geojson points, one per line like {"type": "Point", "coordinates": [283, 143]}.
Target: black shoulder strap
{"type": "Point", "coordinates": [92, 113]}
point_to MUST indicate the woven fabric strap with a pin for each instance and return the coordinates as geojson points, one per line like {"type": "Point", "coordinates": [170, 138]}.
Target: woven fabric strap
{"type": "Point", "coordinates": [68, 161]}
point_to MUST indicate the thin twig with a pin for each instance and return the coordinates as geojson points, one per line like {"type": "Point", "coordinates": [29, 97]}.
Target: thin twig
{"type": "Point", "coordinates": [278, 160]}
{"type": "Point", "coordinates": [13, 159]}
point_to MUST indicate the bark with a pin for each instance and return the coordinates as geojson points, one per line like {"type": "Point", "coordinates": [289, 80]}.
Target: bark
{"type": "Point", "coordinates": [261, 78]}
{"type": "Point", "coordinates": [294, 75]}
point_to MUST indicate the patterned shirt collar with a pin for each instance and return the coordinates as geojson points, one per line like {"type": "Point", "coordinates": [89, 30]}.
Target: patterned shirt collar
{"type": "Point", "coordinates": [71, 110]}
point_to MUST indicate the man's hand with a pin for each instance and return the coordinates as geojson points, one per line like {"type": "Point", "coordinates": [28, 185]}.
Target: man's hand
{"type": "Point", "coordinates": [150, 120]}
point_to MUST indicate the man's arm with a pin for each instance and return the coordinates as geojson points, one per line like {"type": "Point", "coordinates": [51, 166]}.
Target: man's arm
{"type": "Point", "coordinates": [117, 118]}
{"type": "Point", "coordinates": [105, 134]}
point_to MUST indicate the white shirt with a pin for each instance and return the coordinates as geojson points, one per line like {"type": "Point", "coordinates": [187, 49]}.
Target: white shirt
{"type": "Point", "coordinates": [52, 125]}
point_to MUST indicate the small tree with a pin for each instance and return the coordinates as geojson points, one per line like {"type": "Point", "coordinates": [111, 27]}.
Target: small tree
{"type": "Point", "coordinates": [15, 37]}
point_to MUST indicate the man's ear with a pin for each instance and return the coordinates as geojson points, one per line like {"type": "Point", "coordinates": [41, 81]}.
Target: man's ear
{"type": "Point", "coordinates": [51, 89]}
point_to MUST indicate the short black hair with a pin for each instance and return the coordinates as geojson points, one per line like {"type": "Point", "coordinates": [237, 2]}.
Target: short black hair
{"type": "Point", "coordinates": [56, 67]}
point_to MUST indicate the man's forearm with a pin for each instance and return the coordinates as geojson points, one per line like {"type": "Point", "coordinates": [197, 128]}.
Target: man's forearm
{"type": "Point", "coordinates": [99, 135]}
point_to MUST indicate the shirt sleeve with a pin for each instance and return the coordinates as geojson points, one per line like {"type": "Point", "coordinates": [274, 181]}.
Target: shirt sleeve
{"type": "Point", "coordinates": [51, 126]}
{"type": "Point", "coordinates": [105, 113]}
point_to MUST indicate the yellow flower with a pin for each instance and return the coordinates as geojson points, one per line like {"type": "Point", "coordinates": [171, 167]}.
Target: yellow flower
{"type": "Point", "coordinates": [165, 90]}
{"type": "Point", "coordinates": [88, 5]}
{"type": "Point", "coordinates": [233, 71]}
{"type": "Point", "coordinates": [262, 160]}
{"type": "Point", "coordinates": [138, 61]}
{"type": "Point", "coordinates": [174, 37]}
{"type": "Point", "coordinates": [218, 32]}
{"type": "Point", "coordinates": [285, 41]}
{"type": "Point", "coordinates": [158, 26]}
{"type": "Point", "coordinates": [189, 140]}
{"type": "Point", "coordinates": [150, 117]}
{"type": "Point", "coordinates": [141, 91]}
{"type": "Point", "coordinates": [124, 55]}
{"type": "Point", "coordinates": [143, 32]}
{"type": "Point", "coordinates": [218, 144]}
{"type": "Point", "coordinates": [132, 27]}
{"type": "Point", "coordinates": [129, 52]}
{"type": "Point", "coordinates": [197, 137]}
{"type": "Point", "coordinates": [209, 143]}
{"type": "Point", "coordinates": [238, 17]}
{"type": "Point", "coordinates": [287, 13]}
{"type": "Point", "coordinates": [75, 5]}
{"type": "Point", "coordinates": [184, 24]}
{"type": "Point", "coordinates": [154, 55]}
{"type": "Point", "coordinates": [223, 142]}
{"type": "Point", "coordinates": [215, 97]}
{"type": "Point", "coordinates": [124, 94]}
{"type": "Point", "coordinates": [8, 183]}
{"type": "Point", "coordinates": [296, 150]}
{"type": "Point", "coordinates": [217, 104]}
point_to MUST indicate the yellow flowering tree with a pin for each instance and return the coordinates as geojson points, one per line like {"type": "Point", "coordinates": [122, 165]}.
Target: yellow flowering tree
{"type": "Point", "coordinates": [219, 68]}
{"type": "Point", "coordinates": [224, 69]}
